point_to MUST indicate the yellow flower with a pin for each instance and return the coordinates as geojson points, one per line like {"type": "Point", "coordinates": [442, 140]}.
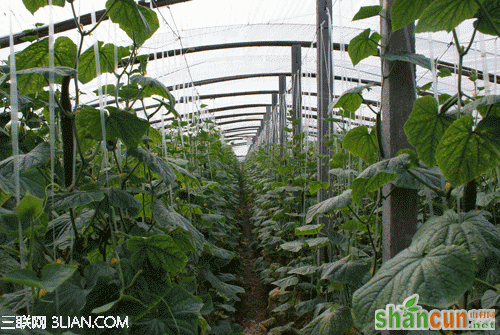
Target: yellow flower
{"type": "Point", "coordinates": [93, 177]}
{"type": "Point", "coordinates": [59, 261]}
{"type": "Point", "coordinates": [113, 260]}
{"type": "Point", "coordinates": [448, 185]}
{"type": "Point", "coordinates": [122, 175]}
{"type": "Point", "coordinates": [204, 204]}
{"type": "Point", "coordinates": [42, 292]}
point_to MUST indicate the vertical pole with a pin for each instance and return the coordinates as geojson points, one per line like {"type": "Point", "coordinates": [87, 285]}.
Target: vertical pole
{"type": "Point", "coordinates": [282, 113]}
{"type": "Point", "coordinates": [275, 114]}
{"type": "Point", "coordinates": [269, 122]}
{"type": "Point", "coordinates": [297, 95]}
{"type": "Point", "coordinates": [324, 77]}
{"type": "Point", "coordinates": [399, 218]}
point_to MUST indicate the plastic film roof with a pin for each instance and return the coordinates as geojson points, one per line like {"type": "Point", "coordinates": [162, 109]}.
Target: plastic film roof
{"type": "Point", "coordinates": [200, 23]}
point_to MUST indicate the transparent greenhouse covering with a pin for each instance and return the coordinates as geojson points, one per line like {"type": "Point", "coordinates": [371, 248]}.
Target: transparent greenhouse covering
{"type": "Point", "coordinates": [224, 57]}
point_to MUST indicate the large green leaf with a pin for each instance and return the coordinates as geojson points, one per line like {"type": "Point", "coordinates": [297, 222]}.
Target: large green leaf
{"type": "Point", "coordinates": [350, 100]}
{"type": "Point", "coordinates": [329, 205]}
{"type": "Point", "coordinates": [36, 55]}
{"type": "Point", "coordinates": [470, 230]}
{"type": "Point", "coordinates": [366, 12]}
{"type": "Point", "coordinates": [61, 228]}
{"type": "Point", "coordinates": [362, 142]}
{"type": "Point", "coordinates": [445, 15]}
{"type": "Point", "coordinates": [179, 312]}
{"type": "Point", "coordinates": [65, 201]}
{"type": "Point", "coordinates": [151, 87]}
{"type": "Point", "coordinates": [333, 321]}
{"type": "Point", "coordinates": [169, 218]}
{"type": "Point", "coordinates": [404, 12]}
{"type": "Point", "coordinates": [138, 22]}
{"type": "Point", "coordinates": [286, 282]}
{"type": "Point", "coordinates": [125, 126]}
{"type": "Point", "coordinates": [440, 277]}
{"type": "Point", "coordinates": [425, 128]}
{"type": "Point", "coordinates": [106, 54]}
{"type": "Point", "coordinates": [88, 123]}
{"type": "Point", "coordinates": [483, 24]}
{"type": "Point", "coordinates": [36, 157]}
{"type": "Point", "coordinates": [53, 275]}
{"type": "Point", "coordinates": [34, 5]}
{"type": "Point", "coordinates": [155, 253]}
{"type": "Point", "coordinates": [377, 175]}
{"type": "Point", "coordinates": [346, 271]}
{"type": "Point", "coordinates": [226, 291]}
{"type": "Point", "coordinates": [157, 164]}
{"type": "Point", "coordinates": [465, 153]}
{"type": "Point", "coordinates": [413, 58]}
{"type": "Point", "coordinates": [29, 208]}
{"type": "Point", "coordinates": [363, 46]}
{"type": "Point", "coordinates": [311, 229]}
{"type": "Point", "coordinates": [122, 199]}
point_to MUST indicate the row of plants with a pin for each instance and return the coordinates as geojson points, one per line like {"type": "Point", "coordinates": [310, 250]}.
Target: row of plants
{"type": "Point", "coordinates": [114, 217]}
{"type": "Point", "coordinates": [453, 260]}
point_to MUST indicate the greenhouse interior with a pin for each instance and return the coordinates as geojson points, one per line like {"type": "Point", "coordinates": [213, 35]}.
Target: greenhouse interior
{"type": "Point", "coordinates": [267, 167]}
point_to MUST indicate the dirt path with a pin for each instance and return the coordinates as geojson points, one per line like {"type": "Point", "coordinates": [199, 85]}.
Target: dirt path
{"type": "Point", "coordinates": [254, 302]}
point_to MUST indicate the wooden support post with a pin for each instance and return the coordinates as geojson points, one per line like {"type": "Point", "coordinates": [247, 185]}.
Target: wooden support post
{"type": "Point", "coordinates": [282, 113]}
{"type": "Point", "coordinates": [297, 95]}
{"type": "Point", "coordinates": [324, 77]}
{"type": "Point", "coordinates": [398, 95]}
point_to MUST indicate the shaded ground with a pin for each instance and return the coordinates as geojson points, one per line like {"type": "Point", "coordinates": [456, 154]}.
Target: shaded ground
{"type": "Point", "coordinates": [254, 303]}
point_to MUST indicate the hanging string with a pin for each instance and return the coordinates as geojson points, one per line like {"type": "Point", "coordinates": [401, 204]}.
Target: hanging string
{"type": "Point", "coordinates": [14, 130]}
{"type": "Point", "coordinates": [433, 65]}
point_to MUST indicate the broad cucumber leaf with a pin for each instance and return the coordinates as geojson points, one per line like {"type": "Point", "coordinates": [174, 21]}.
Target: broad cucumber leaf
{"type": "Point", "coordinates": [293, 246]}
{"type": "Point", "coordinates": [157, 164]}
{"type": "Point", "coordinates": [316, 185]}
{"type": "Point", "coordinates": [29, 208]}
{"type": "Point", "coordinates": [53, 275]}
{"type": "Point", "coordinates": [125, 126]}
{"type": "Point", "coordinates": [65, 201]}
{"type": "Point", "coordinates": [138, 22]}
{"type": "Point", "coordinates": [121, 199]}
{"type": "Point", "coordinates": [464, 154]}
{"type": "Point", "coordinates": [445, 15]}
{"type": "Point", "coordinates": [36, 55]}
{"type": "Point", "coordinates": [304, 270]}
{"type": "Point", "coordinates": [88, 123]}
{"type": "Point", "coordinates": [155, 253]}
{"type": "Point", "coordinates": [34, 5]}
{"type": "Point", "coordinates": [416, 59]}
{"type": "Point", "coordinates": [404, 12]}
{"type": "Point", "coordinates": [377, 175]}
{"type": "Point", "coordinates": [470, 230]}
{"type": "Point", "coordinates": [351, 99]}
{"type": "Point", "coordinates": [226, 291]}
{"type": "Point", "coordinates": [483, 24]}
{"type": "Point", "coordinates": [366, 12]}
{"type": "Point", "coordinates": [363, 46]}
{"type": "Point", "coordinates": [362, 142]}
{"type": "Point", "coordinates": [481, 105]}
{"type": "Point", "coordinates": [169, 218]}
{"type": "Point", "coordinates": [36, 157]}
{"type": "Point", "coordinates": [417, 177]}
{"type": "Point", "coordinates": [440, 277]}
{"type": "Point", "coordinates": [333, 321]}
{"type": "Point", "coordinates": [106, 53]}
{"type": "Point", "coordinates": [317, 242]}
{"type": "Point", "coordinates": [151, 87]}
{"type": "Point", "coordinates": [425, 128]}
{"type": "Point", "coordinates": [312, 229]}
{"type": "Point", "coordinates": [286, 282]}
{"type": "Point", "coordinates": [343, 174]}
{"type": "Point", "coordinates": [346, 271]}
{"type": "Point", "coordinates": [329, 205]}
